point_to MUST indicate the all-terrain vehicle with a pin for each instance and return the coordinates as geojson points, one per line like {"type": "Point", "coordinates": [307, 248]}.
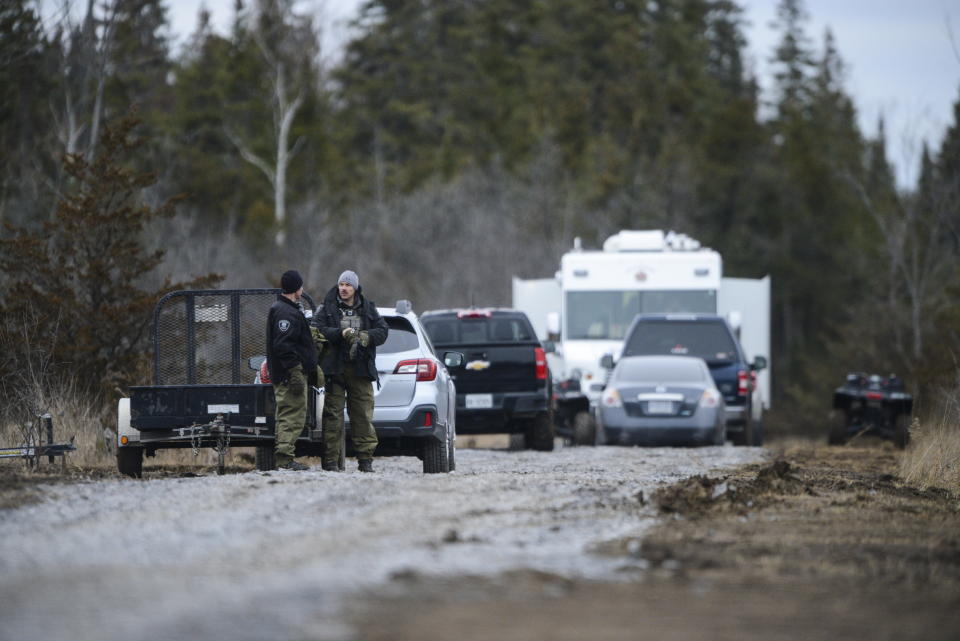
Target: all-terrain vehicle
{"type": "Point", "coordinates": [871, 404]}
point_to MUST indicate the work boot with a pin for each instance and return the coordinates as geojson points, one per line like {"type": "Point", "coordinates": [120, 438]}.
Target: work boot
{"type": "Point", "coordinates": [365, 465]}
{"type": "Point", "coordinates": [331, 466]}
{"type": "Point", "coordinates": [294, 466]}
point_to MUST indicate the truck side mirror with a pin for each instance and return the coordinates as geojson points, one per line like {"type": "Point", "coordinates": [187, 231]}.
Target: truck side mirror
{"type": "Point", "coordinates": [549, 347]}
{"type": "Point", "coordinates": [759, 363]}
{"type": "Point", "coordinates": [606, 361]}
{"type": "Point", "coordinates": [553, 324]}
{"type": "Point", "coordinates": [452, 359]}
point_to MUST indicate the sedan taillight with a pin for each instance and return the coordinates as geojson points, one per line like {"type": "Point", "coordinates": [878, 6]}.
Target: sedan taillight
{"type": "Point", "coordinates": [424, 368]}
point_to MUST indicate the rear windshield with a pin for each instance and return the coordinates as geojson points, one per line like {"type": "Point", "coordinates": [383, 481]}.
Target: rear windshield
{"type": "Point", "coordinates": [452, 331]}
{"type": "Point", "coordinates": [675, 371]}
{"type": "Point", "coordinates": [401, 337]}
{"type": "Point", "coordinates": [709, 340]}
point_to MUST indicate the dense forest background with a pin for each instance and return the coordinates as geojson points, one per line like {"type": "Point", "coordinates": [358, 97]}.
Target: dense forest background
{"type": "Point", "coordinates": [454, 144]}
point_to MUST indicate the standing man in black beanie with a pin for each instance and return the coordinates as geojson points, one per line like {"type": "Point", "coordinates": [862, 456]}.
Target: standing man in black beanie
{"type": "Point", "coordinates": [353, 329]}
{"type": "Point", "coordinates": [291, 358]}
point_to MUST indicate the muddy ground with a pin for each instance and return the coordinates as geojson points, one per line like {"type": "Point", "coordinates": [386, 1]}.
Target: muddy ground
{"type": "Point", "coordinates": [822, 543]}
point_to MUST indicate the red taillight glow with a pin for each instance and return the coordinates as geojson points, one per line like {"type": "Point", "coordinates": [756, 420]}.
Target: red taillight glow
{"type": "Point", "coordinates": [428, 419]}
{"type": "Point", "coordinates": [743, 382]}
{"type": "Point", "coordinates": [540, 357]}
{"type": "Point", "coordinates": [475, 313]}
{"type": "Point", "coordinates": [264, 372]}
{"type": "Point", "coordinates": [875, 396]}
{"type": "Point", "coordinates": [424, 368]}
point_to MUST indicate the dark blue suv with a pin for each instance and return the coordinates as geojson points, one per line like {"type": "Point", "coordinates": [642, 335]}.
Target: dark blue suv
{"type": "Point", "coordinates": [709, 337]}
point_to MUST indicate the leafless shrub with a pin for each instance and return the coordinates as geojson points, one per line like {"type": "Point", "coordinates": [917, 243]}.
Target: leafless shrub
{"type": "Point", "coordinates": [933, 457]}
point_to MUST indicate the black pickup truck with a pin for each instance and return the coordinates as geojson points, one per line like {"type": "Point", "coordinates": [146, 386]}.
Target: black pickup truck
{"type": "Point", "coordinates": [505, 384]}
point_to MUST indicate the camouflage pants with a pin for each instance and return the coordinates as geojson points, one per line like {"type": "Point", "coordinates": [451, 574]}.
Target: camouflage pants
{"type": "Point", "coordinates": [357, 394]}
{"type": "Point", "coordinates": [291, 397]}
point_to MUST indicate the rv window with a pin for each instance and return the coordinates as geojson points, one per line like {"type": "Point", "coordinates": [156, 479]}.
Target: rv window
{"type": "Point", "coordinates": [607, 315]}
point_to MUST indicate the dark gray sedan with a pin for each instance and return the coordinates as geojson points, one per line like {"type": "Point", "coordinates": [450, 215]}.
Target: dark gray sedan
{"type": "Point", "coordinates": [661, 400]}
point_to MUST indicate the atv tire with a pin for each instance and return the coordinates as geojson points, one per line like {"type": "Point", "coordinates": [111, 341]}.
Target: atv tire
{"type": "Point", "coordinates": [838, 428]}
{"type": "Point", "coordinates": [901, 430]}
{"type": "Point", "coordinates": [584, 429]}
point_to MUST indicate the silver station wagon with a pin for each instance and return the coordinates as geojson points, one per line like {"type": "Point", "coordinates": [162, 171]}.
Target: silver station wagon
{"type": "Point", "coordinates": [661, 400]}
{"type": "Point", "coordinates": [415, 402]}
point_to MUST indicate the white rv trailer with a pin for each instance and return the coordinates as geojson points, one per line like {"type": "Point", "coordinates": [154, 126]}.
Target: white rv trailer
{"type": "Point", "coordinates": [592, 300]}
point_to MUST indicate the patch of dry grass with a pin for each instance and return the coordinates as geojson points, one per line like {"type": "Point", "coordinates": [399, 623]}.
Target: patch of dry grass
{"type": "Point", "coordinates": [933, 457]}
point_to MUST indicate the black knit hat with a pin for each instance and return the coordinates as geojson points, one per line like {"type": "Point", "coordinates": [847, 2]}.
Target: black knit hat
{"type": "Point", "coordinates": [291, 281]}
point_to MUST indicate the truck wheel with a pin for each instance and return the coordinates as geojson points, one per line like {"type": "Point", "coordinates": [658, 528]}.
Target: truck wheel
{"type": "Point", "coordinates": [130, 461]}
{"type": "Point", "coordinates": [838, 428]}
{"type": "Point", "coordinates": [901, 430]}
{"type": "Point", "coordinates": [539, 433]}
{"type": "Point", "coordinates": [584, 429]}
{"type": "Point", "coordinates": [265, 458]}
{"type": "Point", "coordinates": [436, 457]}
{"type": "Point", "coordinates": [756, 433]}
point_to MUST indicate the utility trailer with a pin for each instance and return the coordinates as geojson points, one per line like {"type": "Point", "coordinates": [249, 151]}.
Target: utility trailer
{"type": "Point", "coordinates": [584, 311]}
{"type": "Point", "coordinates": [207, 348]}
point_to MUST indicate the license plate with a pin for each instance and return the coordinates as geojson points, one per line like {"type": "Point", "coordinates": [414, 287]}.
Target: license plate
{"type": "Point", "coordinates": [659, 407]}
{"type": "Point", "coordinates": [479, 401]}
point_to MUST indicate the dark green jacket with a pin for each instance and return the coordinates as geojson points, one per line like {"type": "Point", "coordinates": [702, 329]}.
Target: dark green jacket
{"type": "Point", "coordinates": [327, 319]}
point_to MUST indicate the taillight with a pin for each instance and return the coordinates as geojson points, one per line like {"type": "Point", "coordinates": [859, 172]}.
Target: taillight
{"type": "Point", "coordinates": [710, 398]}
{"type": "Point", "coordinates": [540, 357]}
{"type": "Point", "coordinates": [475, 313]}
{"type": "Point", "coordinates": [753, 380]}
{"type": "Point", "coordinates": [875, 396]}
{"type": "Point", "coordinates": [743, 382]}
{"type": "Point", "coordinates": [424, 368]}
{"type": "Point", "coordinates": [264, 372]}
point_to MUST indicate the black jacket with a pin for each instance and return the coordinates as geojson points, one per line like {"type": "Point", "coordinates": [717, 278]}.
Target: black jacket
{"type": "Point", "coordinates": [289, 342]}
{"type": "Point", "coordinates": [327, 319]}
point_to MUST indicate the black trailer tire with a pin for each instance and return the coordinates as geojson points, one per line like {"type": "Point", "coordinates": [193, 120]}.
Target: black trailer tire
{"type": "Point", "coordinates": [901, 430]}
{"type": "Point", "coordinates": [838, 428]}
{"type": "Point", "coordinates": [584, 429]}
{"type": "Point", "coordinates": [265, 458]}
{"type": "Point", "coordinates": [130, 461]}
{"type": "Point", "coordinates": [540, 433]}
{"type": "Point", "coordinates": [436, 457]}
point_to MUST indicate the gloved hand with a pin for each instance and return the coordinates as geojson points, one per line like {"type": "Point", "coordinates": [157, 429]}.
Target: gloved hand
{"type": "Point", "coordinates": [364, 338]}
{"type": "Point", "coordinates": [349, 335]}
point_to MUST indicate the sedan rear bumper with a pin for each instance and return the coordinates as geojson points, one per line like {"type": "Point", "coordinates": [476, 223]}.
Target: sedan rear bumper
{"type": "Point", "coordinates": [619, 428]}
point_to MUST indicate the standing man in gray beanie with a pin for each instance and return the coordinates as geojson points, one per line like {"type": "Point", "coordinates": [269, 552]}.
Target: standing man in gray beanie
{"type": "Point", "coordinates": [353, 329]}
{"type": "Point", "coordinates": [291, 360]}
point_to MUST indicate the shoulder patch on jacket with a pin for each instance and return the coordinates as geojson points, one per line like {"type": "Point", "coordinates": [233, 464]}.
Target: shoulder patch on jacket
{"type": "Point", "coordinates": [283, 325]}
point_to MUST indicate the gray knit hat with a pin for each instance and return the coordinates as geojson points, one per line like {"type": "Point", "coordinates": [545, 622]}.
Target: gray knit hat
{"type": "Point", "coordinates": [349, 277]}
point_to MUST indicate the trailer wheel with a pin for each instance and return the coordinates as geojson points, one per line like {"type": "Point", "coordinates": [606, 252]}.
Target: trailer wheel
{"type": "Point", "coordinates": [265, 458]}
{"type": "Point", "coordinates": [901, 430]}
{"type": "Point", "coordinates": [539, 433]}
{"type": "Point", "coordinates": [584, 429]}
{"type": "Point", "coordinates": [130, 461]}
{"type": "Point", "coordinates": [838, 428]}
{"type": "Point", "coordinates": [436, 457]}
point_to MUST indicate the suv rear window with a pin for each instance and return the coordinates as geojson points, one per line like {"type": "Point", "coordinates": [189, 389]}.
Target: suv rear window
{"type": "Point", "coordinates": [400, 338]}
{"type": "Point", "coordinates": [710, 340]}
{"type": "Point", "coordinates": [452, 331]}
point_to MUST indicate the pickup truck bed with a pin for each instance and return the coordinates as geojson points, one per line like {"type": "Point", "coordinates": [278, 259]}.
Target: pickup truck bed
{"type": "Point", "coordinates": [504, 386]}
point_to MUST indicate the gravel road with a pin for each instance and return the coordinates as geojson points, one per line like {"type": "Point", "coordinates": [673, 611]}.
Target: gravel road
{"type": "Point", "coordinates": [275, 555]}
